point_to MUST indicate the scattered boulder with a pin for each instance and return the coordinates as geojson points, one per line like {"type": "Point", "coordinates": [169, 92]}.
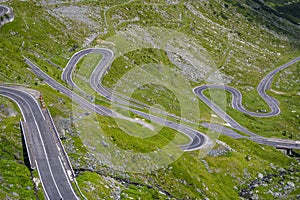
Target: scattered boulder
{"type": "Point", "coordinates": [260, 176]}
{"type": "Point", "coordinates": [7, 111]}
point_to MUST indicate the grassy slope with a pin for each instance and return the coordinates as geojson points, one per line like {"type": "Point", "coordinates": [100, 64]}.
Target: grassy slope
{"type": "Point", "coordinates": [21, 37]}
{"type": "Point", "coordinates": [187, 177]}
{"type": "Point", "coordinates": [15, 176]}
{"type": "Point", "coordinates": [246, 52]}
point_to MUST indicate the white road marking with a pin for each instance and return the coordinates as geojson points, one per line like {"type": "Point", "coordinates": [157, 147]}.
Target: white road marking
{"type": "Point", "coordinates": [37, 166]}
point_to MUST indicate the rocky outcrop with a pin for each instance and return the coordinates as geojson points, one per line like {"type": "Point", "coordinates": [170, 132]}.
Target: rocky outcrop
{"type": "Point", "coordinates": [278, 185]}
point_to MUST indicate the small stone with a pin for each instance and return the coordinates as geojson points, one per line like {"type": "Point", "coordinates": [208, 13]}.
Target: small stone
{"type": "Point", "coordinates": [248, 158]}
{"type": "Point", "coordinates": [260, 176]}
{"type": "Point", "coordinates": [276, 194]}
{"type": "Point", "coordinates": [281, 170]}
{"type": "Point", "coordinates": [15, 194]}
{"type": "Point", "coordinates": [255, 196]}
{"type": "Point", "coordinates": [104, 144]}
{"type": "Point", "coordinates": [272, 166]}
{"type": "Point", "coordinates": [281, 183]}
{"type": "Point", "coordinates": [291, 184]}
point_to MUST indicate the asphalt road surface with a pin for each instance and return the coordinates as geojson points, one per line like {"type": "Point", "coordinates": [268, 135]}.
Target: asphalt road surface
{"type": "Point", "coordinates": [237, 99]}
{"type": "Point", "coordinates": [103, 66]}
{"type": "Point", "coordinates": [3, 10]}
{"type": "Point", "coordinates": [262, 87]}
{"type": "Point", "coordinates": [221, 113]}
{"type": "Point", "coordinates": [44, 154]}
{"type": "Point", "coordinates": [98, 73]}
{"type": "Point", "coordinates": [198, 139]}
{"type": "Point", "coordinates": [75, 97]}
{"type": "Point", "coordinates": [96, 81]}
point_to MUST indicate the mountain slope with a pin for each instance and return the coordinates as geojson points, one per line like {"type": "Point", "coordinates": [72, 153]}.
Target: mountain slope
{"type": "Point", "coordinates": [243, 39]}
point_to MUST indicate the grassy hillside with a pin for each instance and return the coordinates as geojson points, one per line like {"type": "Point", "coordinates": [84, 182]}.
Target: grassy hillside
{"type": "Point", "coordinates": [242, 40]}
{"type": "Point", "coordinates": [286, 9]}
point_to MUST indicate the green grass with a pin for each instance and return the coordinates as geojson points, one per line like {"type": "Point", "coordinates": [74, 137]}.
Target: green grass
{"type": "Point", "coordinates": [286, 9]}
{"type": "Point", "coordinates": [81, 77]}
{"type": "Point", "coordinates": [15, 180]}
{"type": "Point", "coordinates": [89, 181]}
{"type": "Point", "coordinates": [137, 192]}
{"type": "Point", "coordinates": [282, 126]}
{"type": "Point", "coordinates": [227, 171]}
{"type": "Point", "coordinates": [121, 65]}
{"type": "Point", "coordinates": [252, 57]}
{"type": "Point", "coordinates": [188, 177]}
{"type": "Point", "coordinates": [152, 93]}
{"type": "Point", "coordinates": [15, 176]}
{"type": "Point", "coordinates": [242, 43]}
{"type": "Point", "coordinates": [84, 70]}
{"type": "Point", "coordinates": [128, 135]}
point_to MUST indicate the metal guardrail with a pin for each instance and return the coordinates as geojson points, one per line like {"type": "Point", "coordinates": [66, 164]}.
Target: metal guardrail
{"type": "Point", "coordinates": [65, 154]}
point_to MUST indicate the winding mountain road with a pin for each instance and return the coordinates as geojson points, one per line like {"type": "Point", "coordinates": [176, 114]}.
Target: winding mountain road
{"type": "Point", "coordinates": [103, 66]}
{"type": "Point", "coordinates": [98, 73]}
{"type": "Point", "coordinates": [72, 95]}
{"type": "Point", "coordinates": [198, 139]}
{"type": "Point", "coordinates": [40, 144]}
{"type": "Point", "coordinates": [236, 103]}
{"type": "Point", "coordinates": [262, 87]}
{"type": "Point", "coordinates": [41, 147]}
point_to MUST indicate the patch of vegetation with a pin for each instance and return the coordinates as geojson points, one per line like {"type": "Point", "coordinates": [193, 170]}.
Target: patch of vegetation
{"type": "Point", "coordinates": [245, 39]}
{"type": "Point", "coordinates": [83, 72]}
{"type": "Point", "coordinates": [285, 89]}
{"type": "Point", "coordinates": [132, 59]}
{"type": "Point", "coordinates": [150, 94]}
{"type": "Point", "coordinates": [94, 186]}
{"type": "Point", "coordinates": [194, 177]}
{"type": "Point", "coordinates": [287, 9]}
{"type": "Point", "coordinates": [14, 174]}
